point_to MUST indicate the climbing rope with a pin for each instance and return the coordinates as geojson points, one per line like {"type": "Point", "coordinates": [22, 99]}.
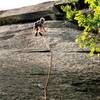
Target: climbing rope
{"type": "Point", "coordinates": [48, 77]}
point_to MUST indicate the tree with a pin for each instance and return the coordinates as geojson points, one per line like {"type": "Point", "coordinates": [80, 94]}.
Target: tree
{"type": "Point", "coordinates": [89, 19]}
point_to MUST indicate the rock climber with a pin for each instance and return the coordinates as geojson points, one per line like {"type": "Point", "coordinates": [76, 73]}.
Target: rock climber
{"type": "Point", "coordinates": [39, 27]}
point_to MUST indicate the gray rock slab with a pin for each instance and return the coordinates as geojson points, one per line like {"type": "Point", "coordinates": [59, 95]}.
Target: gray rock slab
{"type": "Point", "coordinates": [73, 59]}
{"type": "Point", "coordinates": [21, 38]}
{"type": "Point", "coordinates": [61, 2]}
{"type": "Point", "coordinates": [30, 9]}
{"type": "Point", "coordinates": [75, 75]}
{"type": "Point", "coordinates": [23, 75]}
{"type": "Point", "coordinates": [28, 14]}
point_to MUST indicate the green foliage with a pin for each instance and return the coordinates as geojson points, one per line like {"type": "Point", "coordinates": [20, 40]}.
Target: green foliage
{"type": "Point", "coordinates": [90, 20]}
{"type": "Point", "coordinates": [70, 14]}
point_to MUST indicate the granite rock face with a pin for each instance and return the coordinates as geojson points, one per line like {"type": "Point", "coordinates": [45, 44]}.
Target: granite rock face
{"type": "Point", "coordinates": [48, 10]}
{"type": "Point", "coordinates": [26, 59]}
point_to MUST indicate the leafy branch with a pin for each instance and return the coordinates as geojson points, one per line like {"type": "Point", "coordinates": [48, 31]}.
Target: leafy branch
{"type": "Point", "coordinates": [90, 20]}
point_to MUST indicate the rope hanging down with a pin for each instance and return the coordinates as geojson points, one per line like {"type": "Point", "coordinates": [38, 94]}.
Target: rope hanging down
{"type": "Point", "coordinates": [48, 77]}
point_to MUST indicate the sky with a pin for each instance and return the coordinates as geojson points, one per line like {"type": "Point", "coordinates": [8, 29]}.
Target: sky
{"type": "Point", "coordinates": [11, 4]}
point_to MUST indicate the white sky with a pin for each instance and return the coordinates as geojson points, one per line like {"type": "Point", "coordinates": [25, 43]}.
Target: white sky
{"type": "Point", "coordinates": [10, 4]}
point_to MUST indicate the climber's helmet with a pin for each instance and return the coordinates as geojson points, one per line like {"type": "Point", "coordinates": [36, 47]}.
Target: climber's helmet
{"type": "Point", "coordinates": [42, 20]}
